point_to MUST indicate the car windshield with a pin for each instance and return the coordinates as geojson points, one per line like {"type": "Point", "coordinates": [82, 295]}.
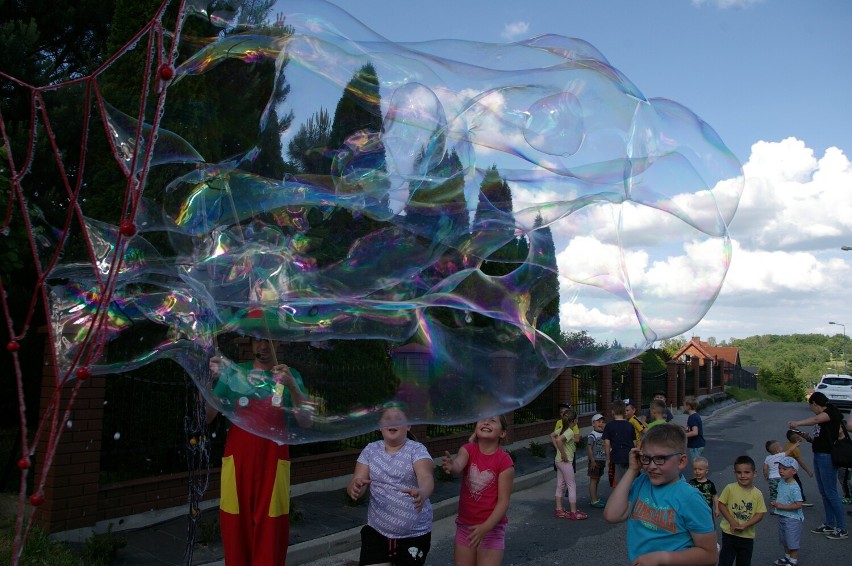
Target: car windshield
{"type": "Point", "coordinates": [837, 381]}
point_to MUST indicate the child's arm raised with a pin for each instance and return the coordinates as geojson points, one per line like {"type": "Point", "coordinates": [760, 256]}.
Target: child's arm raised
{"type": "Point", "coordinates": [704, 553]}
{"type": "Point", "coordinates": [792, 448]}
{"type": "Point", "coordinates": [455, 466]}
{"type": "Point", "coordinates": [618, 505]}
{"type": "Point", "coordinates": [804, 466]}
{"type": "Point", "coordinates": [425, 483]}
{"type": "Point", "coordinates": [504, 491]}
{"type": "Point", "coordinates": [359, 482]}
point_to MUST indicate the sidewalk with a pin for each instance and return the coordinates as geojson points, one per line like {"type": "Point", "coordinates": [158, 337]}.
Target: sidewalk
{"type": "Point", "coordinates": [323, 523]}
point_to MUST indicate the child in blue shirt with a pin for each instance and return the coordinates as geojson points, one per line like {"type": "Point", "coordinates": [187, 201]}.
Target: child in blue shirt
{"type": "Point", "coordinates": [668, 521]}
{"type": "Point", "coordinates": [788, 508]}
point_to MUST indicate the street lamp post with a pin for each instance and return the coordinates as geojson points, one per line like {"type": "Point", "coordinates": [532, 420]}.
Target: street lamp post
{"type": "Point", "coordinates": [845, 370]}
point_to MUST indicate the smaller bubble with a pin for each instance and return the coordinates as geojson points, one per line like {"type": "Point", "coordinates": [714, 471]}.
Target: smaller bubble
{"type": "Point", "coordinates": [116, 436]}
{"type": "Point", "coordinates": [69, 424]}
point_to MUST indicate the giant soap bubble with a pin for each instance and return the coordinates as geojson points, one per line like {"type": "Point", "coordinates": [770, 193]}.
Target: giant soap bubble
{"type": "Point", "coordinates": [445, 224]}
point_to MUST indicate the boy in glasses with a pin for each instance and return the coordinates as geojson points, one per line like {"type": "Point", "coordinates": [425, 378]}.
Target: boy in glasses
{"type": "Point", "coordinates": [668, 521]}
{"type": "Point", "coordinates": [742, 507]}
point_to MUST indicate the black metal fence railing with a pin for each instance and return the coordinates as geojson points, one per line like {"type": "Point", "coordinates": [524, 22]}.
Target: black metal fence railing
{"type": "Point", "coordinates": [620, 381]}
{"type": "Point", "coordinates": [651, 384]}
{"type": "Point", "coordinates": [743, 379]}
{"type": "Point", "coordinates": [144, 430]}
{"type": "Point", "coordinates": [585, 384]}
{"type": "Point", "coordinates": [540, 409]}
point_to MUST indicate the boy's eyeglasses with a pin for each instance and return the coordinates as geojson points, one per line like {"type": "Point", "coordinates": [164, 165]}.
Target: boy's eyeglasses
{"type": "Point", "coordinates": [658, 460]}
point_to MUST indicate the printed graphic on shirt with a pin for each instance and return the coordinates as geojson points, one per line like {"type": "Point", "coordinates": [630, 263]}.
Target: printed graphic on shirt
{"type": "Point", "coordinates": [742, 510]}
{"type": "Point", "coordinates": [664, 518]}
{"type": "Point", "coordinates": [478, 481]}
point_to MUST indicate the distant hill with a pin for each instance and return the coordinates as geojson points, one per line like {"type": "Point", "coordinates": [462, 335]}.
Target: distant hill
{"type": "Point", "coordinates": [789, 364]}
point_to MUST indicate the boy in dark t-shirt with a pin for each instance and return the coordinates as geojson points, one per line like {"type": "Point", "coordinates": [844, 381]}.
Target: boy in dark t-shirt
{"type": "Point", "coordinates": [618, 435]}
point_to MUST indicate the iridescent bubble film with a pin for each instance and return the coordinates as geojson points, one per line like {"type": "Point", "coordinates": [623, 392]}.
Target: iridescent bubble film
{"type": "Point", "coordinates": [443, 226]}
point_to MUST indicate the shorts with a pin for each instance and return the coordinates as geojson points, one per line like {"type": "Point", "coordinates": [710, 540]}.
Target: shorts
{"type": "Point", "coordinates": [376, 548]}
{"type": "Point", "coordinates": [596, 473]}
{"type": "Point", "coordinates": [790, 532]}
{"type": "Point", "coordinates": [495, 539]}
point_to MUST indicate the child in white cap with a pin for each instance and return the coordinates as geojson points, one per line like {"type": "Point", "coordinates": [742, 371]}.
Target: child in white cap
{"type": "Point", "coordinates": [788, 508]}
{"type": "Point", "coordinates": [597, 459]}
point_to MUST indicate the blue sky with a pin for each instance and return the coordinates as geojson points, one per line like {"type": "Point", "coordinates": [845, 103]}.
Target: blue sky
{"type": "Point", "coordinates": [772, 77]}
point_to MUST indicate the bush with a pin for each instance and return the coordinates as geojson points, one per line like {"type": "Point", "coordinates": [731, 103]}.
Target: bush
{"type": "Point", "coordinates": [39, 550]}
{"type": "Point", "coordinates": [537, 449]}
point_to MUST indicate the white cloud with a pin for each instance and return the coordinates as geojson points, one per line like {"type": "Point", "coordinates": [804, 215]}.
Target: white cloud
{"type": "Point", "coordinates": [787, 273]}
{"type": "Point", "coordinates": [794, 201]}
{"type": "Point", "coordinates": [514, 30]}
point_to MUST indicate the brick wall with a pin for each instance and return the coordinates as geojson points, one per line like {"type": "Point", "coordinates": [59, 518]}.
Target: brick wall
{"type": "Point", "coordinates": [74, 497]}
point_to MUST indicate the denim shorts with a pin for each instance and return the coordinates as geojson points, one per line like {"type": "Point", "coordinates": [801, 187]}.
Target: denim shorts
{"type": "Point", "coordinates": [790, 532]}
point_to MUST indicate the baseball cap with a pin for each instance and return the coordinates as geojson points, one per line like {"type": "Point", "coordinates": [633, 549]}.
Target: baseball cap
{"type": "Point", "coordinates": [597, 417]}
{"type": "Point", "coordinates": [789, 462]}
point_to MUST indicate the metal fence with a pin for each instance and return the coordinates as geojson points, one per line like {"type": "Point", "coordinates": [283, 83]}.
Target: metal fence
{"type": "Point", "coordinates": [585, 389]}
{"type": "Point", "coordinates": [651, 384]}
{"type": "Point", "coordinates": [144, 424]}
{"type": "Point", "coordinates": [743, 379]}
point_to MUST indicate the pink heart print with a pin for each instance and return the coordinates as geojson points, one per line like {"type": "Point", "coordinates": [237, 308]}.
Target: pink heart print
{"type": "Point", "coordinates": [478, 481]}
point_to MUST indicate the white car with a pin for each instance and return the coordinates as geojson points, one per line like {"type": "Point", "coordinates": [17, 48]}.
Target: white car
{"type": "Point", "coordinates": [838, 389]}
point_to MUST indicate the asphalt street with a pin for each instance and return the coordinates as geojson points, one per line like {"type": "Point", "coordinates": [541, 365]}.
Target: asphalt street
{"type": "Point", "coordinates": [535, 537]}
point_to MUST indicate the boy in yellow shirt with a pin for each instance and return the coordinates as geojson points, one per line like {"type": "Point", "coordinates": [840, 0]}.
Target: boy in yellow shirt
{"type": "Point", "coordinates": [742, 507]}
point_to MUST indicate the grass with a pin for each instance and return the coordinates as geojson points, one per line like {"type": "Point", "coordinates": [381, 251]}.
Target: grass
{"type": "Point", "coordinates": [749, 394]}
{"type": "Point", "coordinates": [39, 550]}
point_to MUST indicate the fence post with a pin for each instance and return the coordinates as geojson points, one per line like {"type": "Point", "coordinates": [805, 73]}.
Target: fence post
{"type": "Point", "coordinates": [73, 480]}
{"type": "Point", "coordinates": [671, 382]}
{"type": "Point", "coordinates": [504, 364]}
{"type": "Point", "coordinates": [696, 375]}
{"type": "Point", "coordinates": [604, 389]}
{"type": "Point", "coordinates": [564, 390]}
{"type": "Point", "coordinates": [411, 363]}
{"type": "Point", "coordinates": [681, 382]}
{"type": "Point", "coordinates": [636, 383]}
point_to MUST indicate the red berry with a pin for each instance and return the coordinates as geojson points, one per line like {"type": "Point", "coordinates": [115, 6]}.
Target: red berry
{"type": "Point", "coordinates": [13, 346]}
{"type": "Point", "coordinates": [24, 463]}
{"type": "Point", "coordinates": [36, 499]}
{"type": "Point", "coordinates": [127, 228]}
{"type": "Point", "coordinates": [83, 373]}
{"type": "Point", "coordinates": [167, 72]}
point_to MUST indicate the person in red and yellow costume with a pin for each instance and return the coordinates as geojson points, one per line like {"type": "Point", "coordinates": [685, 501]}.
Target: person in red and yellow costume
{"type": "Point", "coordinates": [255, 501]}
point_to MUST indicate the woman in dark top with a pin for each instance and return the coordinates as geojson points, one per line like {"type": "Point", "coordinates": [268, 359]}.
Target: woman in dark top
{"type": "Point", "coordinates": [827, 420]}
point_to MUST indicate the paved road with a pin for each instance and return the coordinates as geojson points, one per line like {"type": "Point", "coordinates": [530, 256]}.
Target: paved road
{"type": "Point", "coordinates": [535, 537]}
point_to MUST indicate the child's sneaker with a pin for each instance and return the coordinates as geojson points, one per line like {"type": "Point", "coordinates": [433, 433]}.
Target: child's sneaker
{"type": "Point", "coordinates": [846, 500]}
{"type": "Point", "coordinates": [837, 534]}
{"type": "Point", "coordinates": [781, 562]}
{"type": "Point", "coordinates": [599, 504]}
{"type": "Point", "coordinates": [579, 515]}
{"type": "Point", "coordinates": [562, 514]}
{"type": "Point", "coordinates": [822, 529]}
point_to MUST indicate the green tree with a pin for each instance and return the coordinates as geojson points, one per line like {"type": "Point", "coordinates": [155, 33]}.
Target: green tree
{"type": "Point", "coordinates": [307, 147]}
{"type": "Point", "coordinates": [670, 346]}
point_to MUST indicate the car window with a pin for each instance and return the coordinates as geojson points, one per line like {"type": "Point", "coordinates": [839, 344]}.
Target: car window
{"type": "Point", "coordinates": [837, 381]}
